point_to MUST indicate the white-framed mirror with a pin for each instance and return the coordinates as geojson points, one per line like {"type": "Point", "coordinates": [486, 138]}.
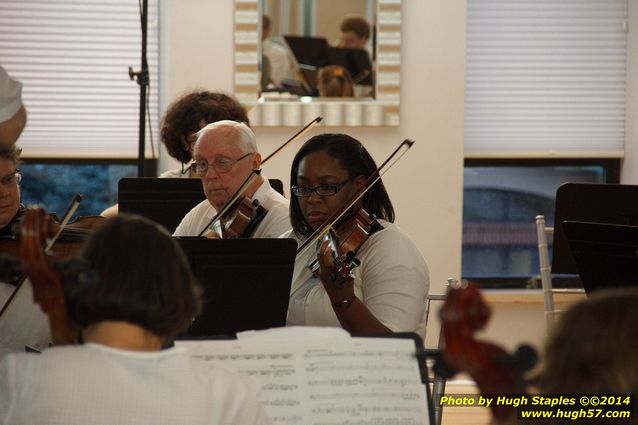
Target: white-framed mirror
{"type": "Point", "coordinates": [267, 110]}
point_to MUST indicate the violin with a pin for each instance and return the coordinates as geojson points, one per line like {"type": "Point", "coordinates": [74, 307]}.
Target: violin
{"type": "Point", "coordinates": [345, 241]}
{"type": "Point", "coordinates": [495, 371]}
{"type": "Point", "coordinates": [68, 241]}
{"type": "Point", "coordinates": [248, 215]}
{"type": "Point", "coordinates": [46, 267]}
{"type": "Point", "coordinates": [345, 232]}
{"type": "Point", "coordinates": [241, 216]}
{"type": "Point", "coordinates": [45, 280]}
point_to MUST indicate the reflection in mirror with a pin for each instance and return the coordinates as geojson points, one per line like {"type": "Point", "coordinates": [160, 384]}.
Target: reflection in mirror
{"type": "Point", "coordinates": [322, 48]}
{"type": "Point", "coordinates": [341, 105]}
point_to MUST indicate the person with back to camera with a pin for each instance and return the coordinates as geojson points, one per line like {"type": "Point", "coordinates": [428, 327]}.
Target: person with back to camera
{"type": "Point", "coordinates": [391, 283]}
{"type": "Point", "coordinates": [120, 375]}
{"type": "Point", "coordinates": [183, 119]}
{"type": "Point", "coordinates": [279, 63]}
{"type": "Point", "coordinates": [593, 350]}
{"type": "Point", "coordinates": [334, 81]}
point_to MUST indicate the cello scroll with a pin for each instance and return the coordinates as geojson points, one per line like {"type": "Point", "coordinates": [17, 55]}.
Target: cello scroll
{"type": "Point", "coordinates": [495, 371]}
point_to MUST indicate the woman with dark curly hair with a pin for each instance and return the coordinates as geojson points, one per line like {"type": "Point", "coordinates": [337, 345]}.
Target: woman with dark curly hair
{"type": "Point", "coordinates": [189, 114]}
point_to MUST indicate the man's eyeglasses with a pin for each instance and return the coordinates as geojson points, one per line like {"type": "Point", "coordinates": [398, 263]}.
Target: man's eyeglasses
{"type": "Point", "coordinates": [221, 165]}
{"type": "Point", "coordinates": [323, 190]}
{"type": "Point", "coordinates": [11, 179]}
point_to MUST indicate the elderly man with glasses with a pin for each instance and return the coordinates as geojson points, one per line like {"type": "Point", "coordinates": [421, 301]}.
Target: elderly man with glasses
{"type": "Point", "coordinates": [225, 155]}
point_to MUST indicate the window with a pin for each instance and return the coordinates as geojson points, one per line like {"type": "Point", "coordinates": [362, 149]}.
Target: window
{"type": "Point", "coordinates": [53, 185]}
{"type": "Point", "coordinates": [501, 201]}
{"type": "Point", "coordinates": [72, 57]}
{"type": "Point", "coordinates": [544, 80]}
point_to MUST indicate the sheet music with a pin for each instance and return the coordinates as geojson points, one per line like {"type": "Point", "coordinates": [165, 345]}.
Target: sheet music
{"type": "Point", "coordinates": [296, 332]}
{"type": "Point", "coordinates": [326, 381]}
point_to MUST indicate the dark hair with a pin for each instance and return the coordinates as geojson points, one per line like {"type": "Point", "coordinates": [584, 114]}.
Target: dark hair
{"type": "Point", "coordinates": [594, 347]}
{"type": "Point", "coordinates": [265, 22]}
{"type": "Point", "coordinates": [144, 279]}
{"type": "Point", "coordinates": [354, 158]}
{"type": "Point", "coordinates": [184, 115]}
{"type": "Point", "coordinates": [335, 81]}
{"type": "Point", "coordinates": [356, 24]}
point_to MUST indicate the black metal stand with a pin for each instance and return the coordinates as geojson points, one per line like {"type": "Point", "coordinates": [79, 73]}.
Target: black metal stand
{"type": "Point", "coordinates": [142, 79]}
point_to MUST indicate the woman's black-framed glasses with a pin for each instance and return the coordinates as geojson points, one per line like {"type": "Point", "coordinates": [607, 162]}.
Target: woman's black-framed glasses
{"type": "Point", "coordinates": [322, 190]}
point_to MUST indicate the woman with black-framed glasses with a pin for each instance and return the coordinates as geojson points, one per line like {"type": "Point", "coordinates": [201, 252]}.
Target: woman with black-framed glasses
{"type": "Point", "coordinates": [389, 287]}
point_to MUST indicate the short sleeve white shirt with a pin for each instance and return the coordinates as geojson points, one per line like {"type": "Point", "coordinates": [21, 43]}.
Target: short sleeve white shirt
{"type": "Point", "coordinates": [94, 384]}
{"type": "Point", "coordinates": [276, 221]}
{"type": "Point", "coordinates": [392, 281]}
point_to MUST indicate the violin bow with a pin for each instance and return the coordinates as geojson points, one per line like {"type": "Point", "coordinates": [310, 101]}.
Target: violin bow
{"type": "Point", "coordinates": [252, 176]}
{"type": "Point", "coordinates": [367, 185]}
{"type": "Point", "coordinates": [73, 207]}
{"type": "Point", "coordinates": [306, 128]}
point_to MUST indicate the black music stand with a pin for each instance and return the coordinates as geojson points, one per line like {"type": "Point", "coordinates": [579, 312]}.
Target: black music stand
{"type": "Point", "coordinates": [594, 203]}
{"type": "Point", "coordinates": [311, 51]}
{"type": "Point", "coordinates": [246, 283]}
{"type": "Point", "coordinates": [606, 254]}
{"type": "Point", "coordinates": [165, 201]}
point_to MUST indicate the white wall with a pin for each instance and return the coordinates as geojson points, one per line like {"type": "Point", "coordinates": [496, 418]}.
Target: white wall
{"type": "Point", "coordinates": [629, 173]}
{"type": "Point", "coordinates": [426, 186]}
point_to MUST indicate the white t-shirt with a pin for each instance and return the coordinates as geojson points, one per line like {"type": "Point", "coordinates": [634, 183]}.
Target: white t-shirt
{"type": "Point", "coordinates": [392, 281]}
{"type": "Point", "coordinates": [94, 384]}
{"type": "Point", "coordinates": [280, 64]}
{"type": "Point", "coordinates": [276, 222]}
{"type": "Point", "coordinates": [23, 323]}
{"type": "Point", "coordinates": [10, 95]}
{"type": "Point", "coordinates": [177, 174]}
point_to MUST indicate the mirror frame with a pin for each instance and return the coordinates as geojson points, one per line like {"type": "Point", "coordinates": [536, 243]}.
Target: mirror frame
{"type": "Point", "coordinates": [383, 110]}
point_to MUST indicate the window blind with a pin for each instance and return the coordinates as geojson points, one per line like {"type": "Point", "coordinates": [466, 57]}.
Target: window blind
{"type": "Point", "coordinates": [72, 57]}
{"type": "Point", "coordinates": [545, 78]}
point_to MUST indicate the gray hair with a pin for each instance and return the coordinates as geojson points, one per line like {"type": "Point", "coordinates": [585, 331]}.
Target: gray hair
{"type": "Point", "coordinates": [245, 133]}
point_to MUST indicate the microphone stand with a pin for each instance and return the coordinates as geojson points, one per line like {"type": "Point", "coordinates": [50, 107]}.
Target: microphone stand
{"type": "Point", "coordinates": [142, 79]}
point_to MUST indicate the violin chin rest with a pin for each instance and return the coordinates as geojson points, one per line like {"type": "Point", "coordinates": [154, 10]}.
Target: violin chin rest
{"type": "Point", "coordinates": [525, 358]}
{"type": "Point", "coordinates": [441, 368]}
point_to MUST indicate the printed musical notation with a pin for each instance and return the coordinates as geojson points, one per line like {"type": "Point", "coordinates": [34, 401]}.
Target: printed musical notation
{"type": "Point", "coordinates": [362, 410]}
{"type": "Point", "coordinates": [359, 367]}
{"type": "Point", "coordinates": [361, 380]}
{"type": "Point", "coordinates": [356, 381]}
